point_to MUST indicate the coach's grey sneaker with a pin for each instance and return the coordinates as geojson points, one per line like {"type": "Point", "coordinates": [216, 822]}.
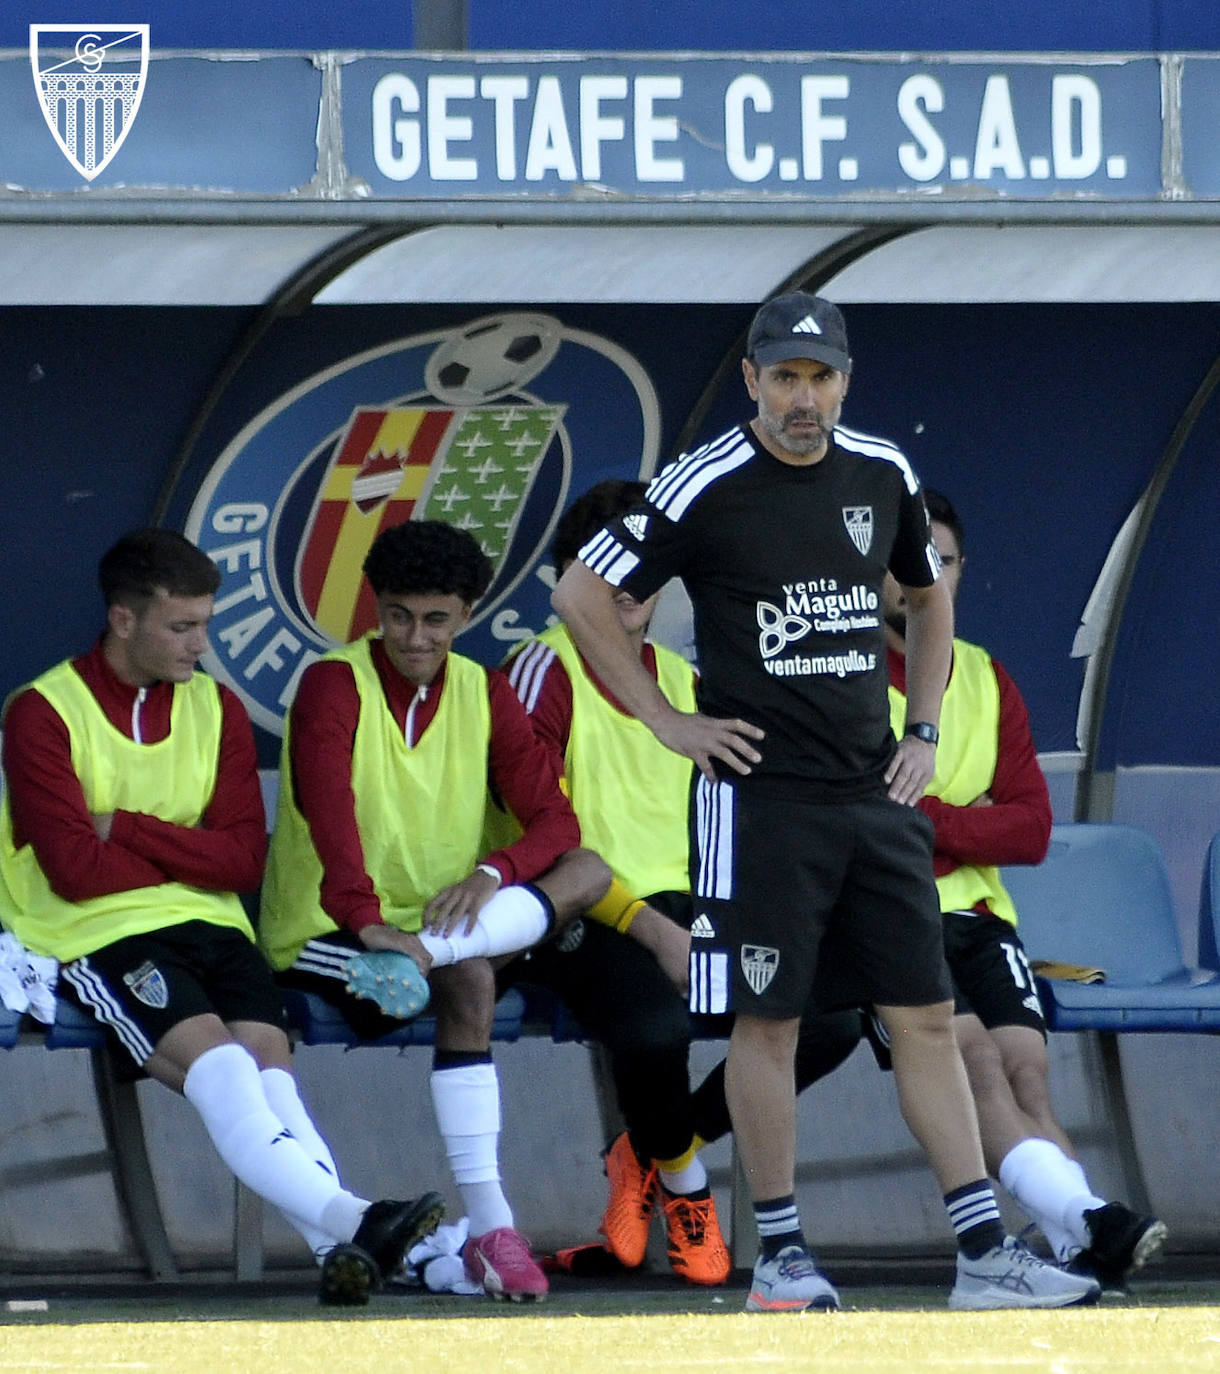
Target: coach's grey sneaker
{"type": "Point", "coordinates": [790, 1283]}
{"type": "Point", "coordinates": [1010, 1276]}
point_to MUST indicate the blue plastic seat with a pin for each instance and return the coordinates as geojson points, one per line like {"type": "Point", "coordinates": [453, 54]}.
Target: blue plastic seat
{"type": "Point", "coordinates": [319, 1023]}
{"type": "Point", "coordinates": [74, 1029]}
{"type": "Point", "coordinates": [10, 1028]}
{"type": "Point", "coordinates": [1102, 898]}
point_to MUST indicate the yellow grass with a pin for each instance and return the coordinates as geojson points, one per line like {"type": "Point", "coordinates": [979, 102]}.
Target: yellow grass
{"type": "Point", "coordinates": [1151, 1340]}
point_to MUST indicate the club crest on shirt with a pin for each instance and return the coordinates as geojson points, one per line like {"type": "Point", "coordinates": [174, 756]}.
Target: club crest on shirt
{"type": "Point", "coordinates": [148, 985]}
{"type": "Point", "coordinates": [759, 964]}
{"type": "Point", "coordinates": [492, 425]}
{"type": "Point", "coordinates": [859, 522]}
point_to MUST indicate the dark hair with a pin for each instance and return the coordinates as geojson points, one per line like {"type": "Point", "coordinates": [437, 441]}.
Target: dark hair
{"type": "Point", "coordinates": [422, 557]}
{"type": "Point", "coordinates": [588, 513]}
{"type": "Point", "coordinates": [940, 509]}
{"type": "Point", "coordinates": [147, 561]}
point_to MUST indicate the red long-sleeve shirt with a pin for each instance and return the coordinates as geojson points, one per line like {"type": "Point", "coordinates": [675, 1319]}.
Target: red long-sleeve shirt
{"type": "Point", "coordinates": [323, 723]}
{"type": "Point", "coordinates": [225, 853]}
{"type": "Point", "coordinates": [546, 693]}
{"type": "Point", "coordinates": [1016, 829]}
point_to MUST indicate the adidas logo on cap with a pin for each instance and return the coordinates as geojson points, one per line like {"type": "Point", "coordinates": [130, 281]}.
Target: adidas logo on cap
{"type": "Point", "coordinates": [798, 325]}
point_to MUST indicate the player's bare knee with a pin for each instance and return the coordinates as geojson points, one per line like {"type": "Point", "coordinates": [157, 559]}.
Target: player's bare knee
{"type": "Point", "coordinates": [268, 1044]}
{"type": "Point", "coordinates": [756, 1038]}
{"type": "Point", "coordinates": [929, 1026]}
{"type": "Point", "coordinates": [578, 880]}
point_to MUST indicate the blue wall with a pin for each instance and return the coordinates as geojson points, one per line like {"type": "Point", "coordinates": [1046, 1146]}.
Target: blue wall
{"type": "Point", "coordinates": [1044, 423]}
{"type": "Point", "coordinates": [863, 25]}
{"type": "Point", "coordinates": [682, 25]}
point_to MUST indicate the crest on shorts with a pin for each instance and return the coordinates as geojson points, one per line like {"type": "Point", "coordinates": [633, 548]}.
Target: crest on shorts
{"type": "Point", "coordinates": [89, 84]}
{"type": "Point", "coordinates": [572, 938]}
{"type": "Point", "coordinates": [148, 985]}
{"type": "Point", "coordinates": [759, 964]}
{"type": "Point", "coordinates": [859, 522]}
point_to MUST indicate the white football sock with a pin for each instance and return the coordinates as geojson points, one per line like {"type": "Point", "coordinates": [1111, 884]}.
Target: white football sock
{"type": "Point", "coordinates": [224, 1087]}
{"type": "Point", "coordinates": [684, 1181]}
{"type": "Point", "coordinates": [512, 920]}
{"type": "Point", "coordinates": [1084, 1200]}
{"type": "Point", "coordinates": [466, 1100]}
{"type": "Point", "coordinates": [1052, 1189]}
{"type": "Point", "coordinates": [284, 1099]}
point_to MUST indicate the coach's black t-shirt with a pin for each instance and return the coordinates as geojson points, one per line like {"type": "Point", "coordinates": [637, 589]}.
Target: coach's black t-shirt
{"type": "Point", "coordinates": [784, 567]}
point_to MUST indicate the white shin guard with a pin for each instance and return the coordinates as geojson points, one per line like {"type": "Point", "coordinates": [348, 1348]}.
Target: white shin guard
{"type": "Point", "coordinates": [512, 920]}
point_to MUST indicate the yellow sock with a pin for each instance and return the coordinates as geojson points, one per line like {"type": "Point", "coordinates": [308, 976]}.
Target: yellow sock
{"type": "Point", "coordinates": [679, 1162]}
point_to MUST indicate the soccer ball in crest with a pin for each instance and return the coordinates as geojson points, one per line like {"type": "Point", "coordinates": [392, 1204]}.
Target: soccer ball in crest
{"type": "Point", "coordinates": [492, 357]}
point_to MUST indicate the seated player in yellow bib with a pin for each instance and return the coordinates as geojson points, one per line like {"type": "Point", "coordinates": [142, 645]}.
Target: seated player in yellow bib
{"type": "Point", "coordinates": [377, 858]}
{"type": "Point", "coordinates": [989, 804]}
{"type": "Point", "coordinates": [132, 817]}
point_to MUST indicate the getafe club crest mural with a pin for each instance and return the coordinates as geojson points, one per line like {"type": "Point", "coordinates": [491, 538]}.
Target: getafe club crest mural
{"type": "Point", "coordinates": [493, 426]}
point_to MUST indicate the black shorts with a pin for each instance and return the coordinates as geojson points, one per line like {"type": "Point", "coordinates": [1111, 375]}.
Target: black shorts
{"type": "Point", "coordinates": [321, 967]}
{"type": "Point", "coordinates": [991, 975]}
{"type": "Point", "coordinates": [612, 985]}
{"type": "Point", "coordinates": [142, 986]}
{"type": "Point", "coordinates": [795, 898]}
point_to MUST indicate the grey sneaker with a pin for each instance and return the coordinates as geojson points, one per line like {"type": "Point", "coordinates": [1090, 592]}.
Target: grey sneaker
{"type": "Point", "coordinates": [790, 1283]}
{"type": "Point", "coordinates": [1010, 1276]}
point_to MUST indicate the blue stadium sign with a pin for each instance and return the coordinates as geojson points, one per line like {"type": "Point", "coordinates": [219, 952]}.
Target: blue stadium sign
{"type": "Point", "coordinates": [786, 126]}
{"type": "Point", "coordinates": [682, 128]}
{"type": "Point", "coordinates": [1201, 128]}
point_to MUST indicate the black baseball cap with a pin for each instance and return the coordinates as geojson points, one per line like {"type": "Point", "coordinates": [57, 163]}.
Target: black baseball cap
{"type": "Point", "coordinates": [798, 325]}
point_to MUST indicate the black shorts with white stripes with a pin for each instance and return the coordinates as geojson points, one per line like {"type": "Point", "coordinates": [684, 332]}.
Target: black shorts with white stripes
{"type": "Point", "coordinates": [321, 967]}
{"type": "Point", "coordinates": [142, 986]}
{"type": "Point", "coordinates": [991, 975]}
{"type": "Point", "coordinates": [793, 898]}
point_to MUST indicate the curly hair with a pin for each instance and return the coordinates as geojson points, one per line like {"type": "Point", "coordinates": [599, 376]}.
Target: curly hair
{"type": "Point", "coordinates": [144, 562]}
{"type": "Point", "coordinates": [423, 557]}
{"type": "Point", "coordinates": [588, 513]}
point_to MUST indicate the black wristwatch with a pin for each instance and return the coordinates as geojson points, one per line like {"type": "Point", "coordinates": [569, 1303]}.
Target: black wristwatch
{"type": "Point", "coordinates": [924, 730]}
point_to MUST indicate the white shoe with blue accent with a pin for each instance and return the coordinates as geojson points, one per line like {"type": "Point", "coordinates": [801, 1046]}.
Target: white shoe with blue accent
{"type": "Point", "coordinates": [790, 1282]}
{"type": "Point", "coordinates": [1009, 1275]}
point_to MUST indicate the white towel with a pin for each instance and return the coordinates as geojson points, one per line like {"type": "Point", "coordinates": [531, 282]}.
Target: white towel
{"type": "Point", "coordinates": [27, 981]}
{"type": "Point", "coordinates": [436, 1262]}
